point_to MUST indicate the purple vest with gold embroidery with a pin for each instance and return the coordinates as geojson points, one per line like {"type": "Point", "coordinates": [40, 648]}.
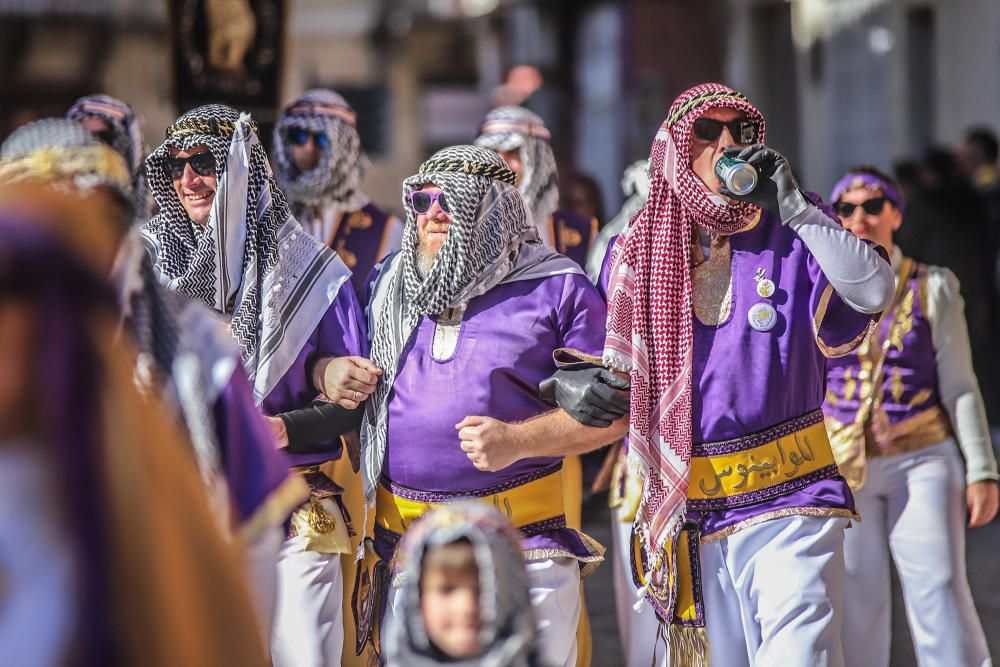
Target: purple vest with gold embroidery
{"type": "Point", "coordinates": [906, 409]}
{"type": "Point", "coordinates": [360, 239]}
{"type": "Point", "coordinates": [573, 233]}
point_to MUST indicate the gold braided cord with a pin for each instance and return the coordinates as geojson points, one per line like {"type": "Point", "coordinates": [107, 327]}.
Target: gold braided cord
{"type": "Point", "coordinates": [218, 127]}
{"type": "Point", "coordinates": [57, 163]}
{"type": "Point", "coordinates": [495, 171]}
{"type": "Point", "coordinates": [698, 100]}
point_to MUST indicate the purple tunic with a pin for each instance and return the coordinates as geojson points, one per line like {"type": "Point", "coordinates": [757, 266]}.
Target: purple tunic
{"type": "Point", "coordinates": [745, 380]}
{"type": "Point", "coordinates": [254, 468]}
{"type": "Point", "coordinates": [504, 350]}
{"type": "Point", "coordinates": [340, 333]}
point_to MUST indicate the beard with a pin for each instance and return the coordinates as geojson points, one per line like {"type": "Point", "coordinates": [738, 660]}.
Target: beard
{"type": "Point", "coordinates": [426, 254]}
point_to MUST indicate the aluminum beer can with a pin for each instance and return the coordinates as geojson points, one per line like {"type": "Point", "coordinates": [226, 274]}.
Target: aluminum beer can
{"type": "Point", "coordinates": [738, 176]}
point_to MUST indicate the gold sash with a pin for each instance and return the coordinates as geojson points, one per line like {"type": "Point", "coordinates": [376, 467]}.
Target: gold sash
{"type": "Point", "coordinates": [755, 471]}
{"type": "Point", "coordinates": [533, 502]}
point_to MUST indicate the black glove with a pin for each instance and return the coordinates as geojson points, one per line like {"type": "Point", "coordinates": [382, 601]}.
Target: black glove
{"type": "Point", "coordinates": [777, 190]}
{"type": "Point", "coordinates": [594, 396]}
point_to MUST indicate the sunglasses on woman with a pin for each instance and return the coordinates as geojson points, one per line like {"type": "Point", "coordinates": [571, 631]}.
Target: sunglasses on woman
{"type": "Point", "coordinates": [742, 131]}
{"type": "Point", "coordinates": [421, 201]}
{"type": "Point", "coordinates": [299, 137]}
{"type": "Point", "coordinates": [202, 164]}
{"type": "Point", "coordinates": [871, 206]}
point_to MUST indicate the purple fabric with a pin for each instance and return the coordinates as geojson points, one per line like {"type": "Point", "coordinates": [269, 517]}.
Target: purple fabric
{"type": "Point", "coordinates": [781, 373]}
{"type": "Point", "coordinates": [504, 350]}
{"type": "Point", "coordinates": [361, 245]}
{"type": "Point", "coordinates": [254, 468]}
{"type": "Point", "coordinates": [572, 234]}
{"type": "Point", "coordinates": [828, 493]}
{"type": "Point", "coordinates": [778, 374]}
{"type": "Point", "coordinates": [340, 333]}
{"type": "Point", "coordinates": [916, 364]}
{"type": "Point", "coordinates": [605, 276]}
{"type": "Point", "coordinates": [853, 180]}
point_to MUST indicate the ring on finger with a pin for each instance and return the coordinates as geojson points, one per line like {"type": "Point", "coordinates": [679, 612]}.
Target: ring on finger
{"type": "Point", "coordinates": [356, 394]}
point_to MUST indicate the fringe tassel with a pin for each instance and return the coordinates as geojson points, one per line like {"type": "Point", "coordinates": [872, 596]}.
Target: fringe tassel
{"type": "Point", "coordinates": [688, 646]}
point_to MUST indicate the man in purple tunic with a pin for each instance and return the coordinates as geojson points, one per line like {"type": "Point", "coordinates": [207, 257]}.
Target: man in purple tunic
{"type": "Point", "coordinates": [184, 356]}
{"type": "Point", "coordinates": [288, 302]}
{"type": "Point", "coordinates": [464, 322]}
{"type": "Point", "coordinates": [724, 309]}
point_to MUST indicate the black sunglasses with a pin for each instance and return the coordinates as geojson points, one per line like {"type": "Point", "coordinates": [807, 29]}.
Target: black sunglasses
{"type": "Point", "coordinates": [743, 131]}
{"type": "Point", "coordinates": [298, 137]}
{"type": "Point", "coordinates": [203, 164]}
{"type": "Point", "coordinates": [871, 206]}
{"type": "Point", "coordinates": [421, 201]}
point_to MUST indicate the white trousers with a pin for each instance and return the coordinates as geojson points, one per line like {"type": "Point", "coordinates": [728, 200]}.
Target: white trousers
{"type": "Point", "coordinates": [912, 508]}
{"type": "Point", "coordinates": [555, 600]}
{"type": "Point", "coordinates": [778, 587]}
{"type": "Point", "coordinates": [309, 622]}
{"type": "Point", "coordinates": [637, 631]}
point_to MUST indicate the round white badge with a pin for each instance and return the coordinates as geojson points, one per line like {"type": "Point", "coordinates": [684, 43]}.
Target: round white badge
{"type": "Point", "coordinates": [765, 287]}
{"type": "Point", "coordinates": [762, 316]}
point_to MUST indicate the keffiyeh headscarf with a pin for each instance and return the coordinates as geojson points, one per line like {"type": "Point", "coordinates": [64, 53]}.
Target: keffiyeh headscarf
{"type": "Point", "coordinates": [251, 260]}
{"type": "Point", "coordinates": [336, 178]}
{"type": "Point", "coordinates": [508, 625]}
{"type": "Point", "coordinates": [650, 321]}
{"type": "Point", "coordinates": [510, 128]}
{"type": "Point", "coordinates": [491, 240]}
{"type": "Point", "coordinates": [126, 136]}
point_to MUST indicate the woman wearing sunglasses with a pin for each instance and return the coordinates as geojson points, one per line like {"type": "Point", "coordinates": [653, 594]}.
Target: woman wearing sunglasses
{"type": "Point", "coordinates": [902, 412]}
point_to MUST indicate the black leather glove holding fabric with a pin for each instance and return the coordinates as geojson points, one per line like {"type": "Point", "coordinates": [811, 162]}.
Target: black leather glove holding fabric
{"type": "Point", "coordinates": [310, 429]}
{"type": "Point", "coordinates": [777, 189]}
{"type": "Point", "coordinates": [594, 396]}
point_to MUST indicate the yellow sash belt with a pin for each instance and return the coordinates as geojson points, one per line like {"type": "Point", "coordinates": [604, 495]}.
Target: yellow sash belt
{"type": "Point", "coordinates": [530, 503]}
{"type": "Point", "coordinates": [758, 472]}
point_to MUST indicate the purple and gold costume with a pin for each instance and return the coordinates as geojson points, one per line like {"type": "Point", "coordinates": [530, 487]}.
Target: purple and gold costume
{"type": "Point", "coordinates": [514, 327]}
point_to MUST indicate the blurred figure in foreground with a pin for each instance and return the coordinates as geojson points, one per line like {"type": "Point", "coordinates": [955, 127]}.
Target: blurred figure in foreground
{"type": "Point", "coordinates": [111, 556]}
{"type": "Point", "coordinates": [464, 593]}
{"type": "Point", "coordinates": [182, 355]}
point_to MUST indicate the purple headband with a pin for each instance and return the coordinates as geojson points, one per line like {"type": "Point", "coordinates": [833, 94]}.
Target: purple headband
{"type": "Point", "coordinates": [856, 179]}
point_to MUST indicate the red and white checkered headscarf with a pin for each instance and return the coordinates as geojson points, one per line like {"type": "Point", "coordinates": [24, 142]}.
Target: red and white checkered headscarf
{"type": "Point", "coordinates": [649, 311]}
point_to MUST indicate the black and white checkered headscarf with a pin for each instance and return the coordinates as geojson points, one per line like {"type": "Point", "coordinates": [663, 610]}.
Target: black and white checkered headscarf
{"type": "Point", "coordinates": [252, 260]}
{"type": "Point", "coordinates": [336, 178]}
{"type": "Point", "coordinates": [491, 240]}
{"type": "Point", "coordinates": [509, 128]}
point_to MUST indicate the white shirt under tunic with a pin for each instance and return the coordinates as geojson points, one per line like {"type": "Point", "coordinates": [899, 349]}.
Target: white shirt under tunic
{"type": "Point", "coordinates": [37, 608]}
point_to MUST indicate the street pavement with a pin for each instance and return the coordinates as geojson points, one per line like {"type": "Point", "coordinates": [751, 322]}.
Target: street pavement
{"type": "Point", "coordinates": [983, 556]}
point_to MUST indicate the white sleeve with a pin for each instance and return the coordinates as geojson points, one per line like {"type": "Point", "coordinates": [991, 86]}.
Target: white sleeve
{"type": "Point", "coordinates": [957, 382]}
{"type": "Point", "coordinates": [857, 273]}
